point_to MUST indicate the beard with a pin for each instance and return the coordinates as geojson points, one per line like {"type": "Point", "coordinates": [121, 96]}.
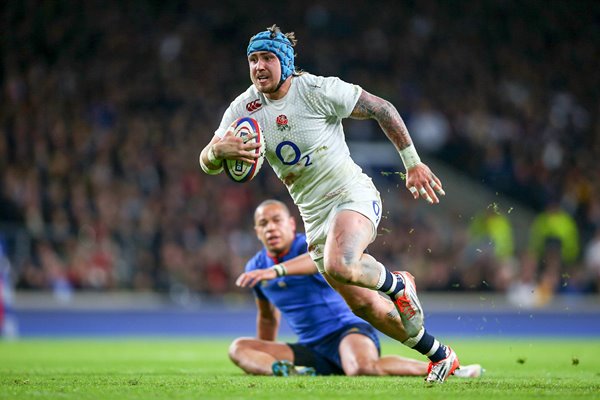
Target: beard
{"type": "Point", "coordinates": [268, 89]}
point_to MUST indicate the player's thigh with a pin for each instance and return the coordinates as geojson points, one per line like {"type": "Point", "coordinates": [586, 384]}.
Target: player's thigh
{"type": "Point", "coordinates": [349, 235]}
{"type": "Point", "coordinates": [279, 350]}
{"type": "Point", "coordinates": [358, 355]}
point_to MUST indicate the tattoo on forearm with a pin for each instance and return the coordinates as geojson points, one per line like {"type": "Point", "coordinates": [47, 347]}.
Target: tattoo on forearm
{"type": "Point", "coordinates": [393, 314]}
{"type": "Point", "coordinates": [373, 107]}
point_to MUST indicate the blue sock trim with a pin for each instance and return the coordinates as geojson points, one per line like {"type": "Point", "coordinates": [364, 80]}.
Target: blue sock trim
{"type": "Point", "coordinates": [398, 288]}
{"type": "Point", "coordinates": [425, 344]}
{"type": "Point", "coordinates": [439, 355]}
{"type": "Point", "coordinates": [389, 280]}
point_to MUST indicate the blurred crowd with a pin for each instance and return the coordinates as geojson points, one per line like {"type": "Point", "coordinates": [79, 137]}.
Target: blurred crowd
{"type": "Point", "coordinates": [105, 109]}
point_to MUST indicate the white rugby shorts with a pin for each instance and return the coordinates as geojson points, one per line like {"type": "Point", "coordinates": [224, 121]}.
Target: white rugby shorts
{"type": "Point", "coordinates": [362, 197]}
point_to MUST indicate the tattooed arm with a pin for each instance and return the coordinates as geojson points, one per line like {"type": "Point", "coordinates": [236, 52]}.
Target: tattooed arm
{"type": "Point", "coordinates": [370, 106]}
{"type": "Point", "coordinates": [419, 179]}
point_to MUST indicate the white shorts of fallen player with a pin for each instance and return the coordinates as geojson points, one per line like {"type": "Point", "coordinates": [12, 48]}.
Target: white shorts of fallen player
{"type": "Point", "coordinates": [362, 197]}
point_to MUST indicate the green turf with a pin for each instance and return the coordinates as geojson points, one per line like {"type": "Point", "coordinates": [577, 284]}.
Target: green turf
{"type": "Point", "coordinates": [200, 369]}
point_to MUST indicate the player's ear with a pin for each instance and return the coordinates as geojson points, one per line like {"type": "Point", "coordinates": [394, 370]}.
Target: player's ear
{"type": "Point", "coordinates": [293, 223]}
{"type": "Point", "coordinates": [256, 230]}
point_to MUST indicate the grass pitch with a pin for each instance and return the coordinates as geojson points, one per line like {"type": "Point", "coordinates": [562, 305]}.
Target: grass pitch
{"type": "Point", "coordinates": [200, 369]}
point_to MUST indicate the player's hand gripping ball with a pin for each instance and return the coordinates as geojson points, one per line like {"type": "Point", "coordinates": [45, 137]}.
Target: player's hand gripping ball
{"type": "Point", "coordinates": [240, 171]}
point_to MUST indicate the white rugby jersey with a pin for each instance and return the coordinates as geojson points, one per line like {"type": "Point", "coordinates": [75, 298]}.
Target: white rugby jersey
{"type": "Point", "coordinates": [304, 138]}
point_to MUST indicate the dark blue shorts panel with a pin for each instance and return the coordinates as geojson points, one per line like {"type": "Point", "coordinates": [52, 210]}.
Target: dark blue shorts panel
{"type": "Point", "coordinates": [324, 355]}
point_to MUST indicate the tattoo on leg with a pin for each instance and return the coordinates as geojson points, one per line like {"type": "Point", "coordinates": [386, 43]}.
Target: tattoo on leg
{"type": "Point", "coordinates": [349, 256]}
{"type": "Point", "coordinates": [393, 314]}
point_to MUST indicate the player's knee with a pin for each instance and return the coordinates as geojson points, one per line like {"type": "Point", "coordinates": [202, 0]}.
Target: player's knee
{"type": "Point", "coordinates": [237, 348]}
{"type": "Point", "coordinates": [341, 267]}
{"type": "Point", "coordinates": [338, 273]}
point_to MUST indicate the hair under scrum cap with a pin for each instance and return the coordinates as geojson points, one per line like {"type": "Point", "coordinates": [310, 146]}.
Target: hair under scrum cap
{"type": "Point", "coordinates": [278, 44]}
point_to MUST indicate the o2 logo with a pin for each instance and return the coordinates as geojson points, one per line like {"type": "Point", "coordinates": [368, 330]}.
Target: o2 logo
{"type": "Point", "coordinates": [377, 210]}
{"type": "Point", "coordinates": [289, 154]}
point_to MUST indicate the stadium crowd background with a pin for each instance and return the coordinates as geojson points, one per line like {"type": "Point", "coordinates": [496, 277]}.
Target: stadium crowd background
{"type": "Point", "coordinates": [105, 108]}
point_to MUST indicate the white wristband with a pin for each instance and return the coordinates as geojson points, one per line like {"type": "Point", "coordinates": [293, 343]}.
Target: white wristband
{"type": "Point", "coordinates": [212, 158]}
{"type": "Point", "coordinates": [409, 157]}
{"type": "Point", "coordinates": [208, 170]}
{"type": "Point", "coordinates": [280, 270]}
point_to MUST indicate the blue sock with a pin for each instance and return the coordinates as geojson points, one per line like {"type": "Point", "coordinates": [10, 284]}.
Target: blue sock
{"type": "Point", "coordinates": [392, 285]}
{"type": "Point", "coordinates": [427, 345]}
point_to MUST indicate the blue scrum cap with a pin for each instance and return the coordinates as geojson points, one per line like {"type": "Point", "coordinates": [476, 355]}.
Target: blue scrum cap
{"type": "Point", "coordinates": [278, 44]}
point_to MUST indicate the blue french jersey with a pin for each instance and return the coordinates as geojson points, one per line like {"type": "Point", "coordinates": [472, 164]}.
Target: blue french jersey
{"type": "Point", "coordinates": [311, 307]}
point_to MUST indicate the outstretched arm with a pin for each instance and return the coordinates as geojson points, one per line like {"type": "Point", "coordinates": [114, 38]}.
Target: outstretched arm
{"type": "Point", "coordinates": [419, 179]}
{"type": "Point", "coordinates": [300, 265]}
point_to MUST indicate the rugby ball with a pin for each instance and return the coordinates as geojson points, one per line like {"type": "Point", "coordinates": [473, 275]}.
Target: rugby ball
{"type": "Point", "coordinates": [240, 171]}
